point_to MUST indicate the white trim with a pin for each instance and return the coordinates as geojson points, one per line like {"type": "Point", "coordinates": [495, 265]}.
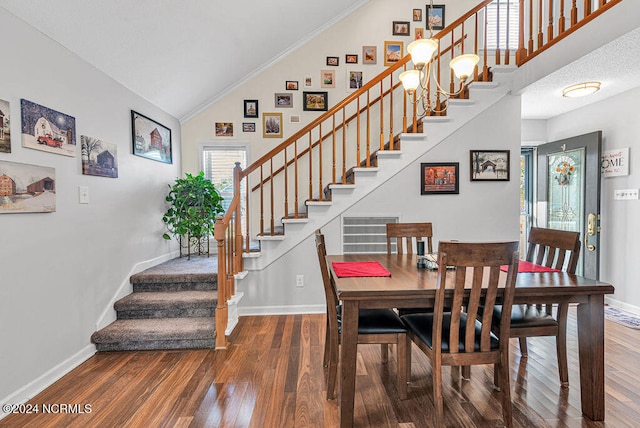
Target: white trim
{"type": "Point", "coordinates": [622, 305]}
{"type": "Point", "coordinates": [39, 384]}
{"type": "Point", "coordinates": [281, 310]}
{"type": "Point", "coordinates": [222, 145]}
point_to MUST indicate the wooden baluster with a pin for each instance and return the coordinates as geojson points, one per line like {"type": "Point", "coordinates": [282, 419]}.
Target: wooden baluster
{"type": "Point", "coordinates": [358, 132]}
{"type": "Point", "coordinates": [310, 167]}
{"type": "Point", "coordinates": [574, 13]}
{"type": "Point", "coordinates": [261, 202]}
{"type": "Point", "coordinates": [485, 67]}
{"type": "Point", "coordinates": [286, 185]}
{"type": "Point", "coordinates": [333, 136]}
{"type": "Point", "coordinates": [540, 35]}
{"type": "Point", "coordinates": [390, 113]}
{"type": "Point", "coordinates": [507, 52]}
{"type": "Point", "coordinates": [521, 54]}
{"type": "Point", "coordinates": [550, 26]}
{"type": "Point", "coordinates": [438, 107]}
{"type": "Point", "coordinates": [561, 20]}
{"type": "Point", "coordinates": [295, 168]}
{"type": "Point", "coordinates": [246, 210]}
{"type": "Point", "coordinates": [498, 32]}
{"type": "Point", "coordinates": [452, 82]}
{"type": "Point", "coordinates": [587, 8]}
{"type": "Point", "coordinates": [368, 151]}
{"type": "Point", "coordinates": [530, 46]}
{"type": "Point", "coordinates": [404, 108]}
{"type": "Point", "coordinates": [272, 222]}
{"type": "Point", "coordinates": [381, 115]}
{"type": "Point", "coordinates": [344, 147]}
{"type": "Point", "coordinates": [475, 45]}
{"type": "Point", "coordinates": [320, 188]}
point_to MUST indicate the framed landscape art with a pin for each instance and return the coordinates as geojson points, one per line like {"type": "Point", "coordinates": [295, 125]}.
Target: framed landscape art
{"type": "Point", "coordinates": [151, 140]}
{"type": "Point", "coordinates": [393, 52]}
{"type": "Point", "coordinates": [47, 130]}
{"type": "Point", "coordinates": [439, 178]}
{"type": "Point", "coordinates": [272, 125]}
{"type": "Point", "coordinates": [99, 157]}
{"type": "Point", "coordinates": [5, 128]}
{"type": "Point", "coordinates": [26, 188]}
{"type": "Point", "coordinates": [489, 165]}
{"type": "Point", "coordinates": [435, 16]}
{"type": "Point", "coordinates": [314, 101]}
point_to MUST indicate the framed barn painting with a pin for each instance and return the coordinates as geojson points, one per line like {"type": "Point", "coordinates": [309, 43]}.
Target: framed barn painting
{"type": "Point", "coordinates": [439, 178]}
{"type": "Point", "coordinates": [99, 157]}
{"type": "Point", "coordinates": [151, 140]}
{"type": "Point", "coordinates": [26, 188]}
{"type": "Point", "coordinates": [489, 165]}
{"type": "Point", "coordinates": [5, 128]}
{"type": "Point", "coordinates": [47, 130]}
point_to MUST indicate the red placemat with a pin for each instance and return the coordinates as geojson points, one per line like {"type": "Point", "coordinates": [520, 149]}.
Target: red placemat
{"type": "Point", "coordinates": [528, 267]}
{"type": "Point", "coordinates": [357, 269]}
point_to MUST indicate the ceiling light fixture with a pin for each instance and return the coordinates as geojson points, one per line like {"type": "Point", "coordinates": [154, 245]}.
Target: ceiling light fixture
{"type": "Point", "coordinates": [581, 89]}
{"type": "Point", "coordinates": [422, 52]}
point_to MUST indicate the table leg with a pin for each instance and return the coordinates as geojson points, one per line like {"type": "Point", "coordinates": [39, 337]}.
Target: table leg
{"type": "Point", "coordinates": [591, 347]}
{"type": "Point", "coordinates": [348, 358]}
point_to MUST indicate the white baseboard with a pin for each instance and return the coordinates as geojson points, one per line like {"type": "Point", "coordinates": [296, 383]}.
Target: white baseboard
{"type": "Point", "coordinates": [622, 306]}
{"type": "Point", "coordinates": [38, 385]}
{"type": "Point", "coordinates": [281, 310]}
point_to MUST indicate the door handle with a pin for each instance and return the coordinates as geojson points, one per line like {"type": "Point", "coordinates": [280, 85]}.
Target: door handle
{"type": "Point", "coordinates": [592, 229]}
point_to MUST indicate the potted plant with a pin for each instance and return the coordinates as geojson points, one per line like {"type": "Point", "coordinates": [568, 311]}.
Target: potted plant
{"type": "Point", "coordinates": [194, 205]}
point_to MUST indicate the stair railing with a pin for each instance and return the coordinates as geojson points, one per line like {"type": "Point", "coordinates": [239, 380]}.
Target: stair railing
{"type": "Point", "coordinates": [325, 151]}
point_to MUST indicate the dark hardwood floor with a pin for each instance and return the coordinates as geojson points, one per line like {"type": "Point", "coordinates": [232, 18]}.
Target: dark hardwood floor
{"type": "Point", "coordinates": [272, 376]}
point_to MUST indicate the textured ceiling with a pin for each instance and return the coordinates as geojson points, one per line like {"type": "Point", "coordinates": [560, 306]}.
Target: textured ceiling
{"type": "Point", "coordinates": [181, 55]}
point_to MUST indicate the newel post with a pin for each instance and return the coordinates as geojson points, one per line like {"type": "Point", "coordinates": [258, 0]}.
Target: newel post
{"type": "Point", "coordinates": [219, 232]}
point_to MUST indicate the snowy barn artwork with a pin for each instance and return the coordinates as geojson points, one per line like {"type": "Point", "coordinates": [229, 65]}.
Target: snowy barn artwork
{"type": "Point", "coordinates": [47, 130]}
{"type": "Point", "coordinates": [99, 157]}
{"type": "Point", "coordinates": [150, 139]}
{"type": "Point", "coordinates": [26, 188]}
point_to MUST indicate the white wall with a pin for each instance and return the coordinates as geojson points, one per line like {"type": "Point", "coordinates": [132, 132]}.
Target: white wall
{"type": "Point", "coordinates": [59, 272]}
{"type": "Point", "coordinates": [617, 118]}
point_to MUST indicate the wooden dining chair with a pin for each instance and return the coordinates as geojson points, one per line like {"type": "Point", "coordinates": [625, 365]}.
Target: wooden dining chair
{"type": "Point", "coordinates": [456, 337]}
{"type": "Point", "coordinates": [375, 326]}
{"type": "Point", "coordinates": [557, 249]}
{"type": "Point", "coordinates": [407, 234]}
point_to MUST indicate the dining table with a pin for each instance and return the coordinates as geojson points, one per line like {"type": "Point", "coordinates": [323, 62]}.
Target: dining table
{"type": "Point", "coordinates": [408, 285]}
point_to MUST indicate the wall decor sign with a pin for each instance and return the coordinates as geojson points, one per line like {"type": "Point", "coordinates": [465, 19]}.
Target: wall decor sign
{"type": "Point", "coordinates": [151, 140]}
{"type": "Point", "coordinates": [5, 127]}
{"type": "Point", "coordinates": [272, 125]}
{"type": "Point", "coordinates": [393, 52]}
{"type": "Point", "coordinates": [369, 54]}
{"type": "Point", "coordinates": [47, 130]}
{"type": "Point", "coordinates": [283, 100]}
{"type": "Point", "coordinates": [327, 79]}
{"type": "Point", "coordinates": [224, 129]}
{"type": "Point", "coordinates": [250, 108]}
{"type": "Point", "coordinates": [315, 101]}
{"type": "Point", "coordinates": [248, 127]}
{"type": "Point", "coordinates": [401, 28]}
{"type": "Point", "coordinates": [99, 157]}
{"type": "Point", "coordinates": [489, 165]}
{"type": "Point", "coordinates": [615, 162]}
{"type": "Point", "coordinates": [439, 178]}
{"type": "Point", "coordinates": [26, 188]}
{"type": "Point", "coordinates": [435, 16]}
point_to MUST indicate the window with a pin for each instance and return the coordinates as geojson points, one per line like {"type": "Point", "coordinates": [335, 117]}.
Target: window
{"type": "Point", "coordinates": [497, 34]}
{"type": "Point", "coordinates": [218, 163]}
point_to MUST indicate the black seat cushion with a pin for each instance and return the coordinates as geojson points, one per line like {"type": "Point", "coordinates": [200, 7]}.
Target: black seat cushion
{"type": "Point", "coordinates": [422, 326]}
{"type": "Point", "coordinates": [525, 316]}
{"type": "Point", "coordinates": [376, 321]}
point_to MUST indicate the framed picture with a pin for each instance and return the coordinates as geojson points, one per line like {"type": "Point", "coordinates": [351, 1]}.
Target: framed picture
{"type": "Point", "coordinates": [308, 82]}
{"type": "Point", "coordinates": [369, 54]}
{"type": "Point", "coordinates": [417, 15]}
{"type": "Point", "coordinates": [47, 130]}
{"type": "Point", "coordinates": [354, 80]}
{"type": "Point", "coordinates": [489, 165]}
{"type": "Point", "coordinates": [291, 85]}
{"type": "Point", "coordinates": [250, 108]}
{"type": "Point", "coordinates": [248, 127]}
{"type": "Point", "coordinates": [435, 16]}
{"type": "Point", "coordinates": [272, 125]}
{"type": "Point", "coordinates": [294, 118]}
{"type": "Point", "coordinates": [333, 61]}
{"type": "Point", "coordinates": [327, 79]}
{"type": "Point", "coordinates": [27, 188]}
{"type": "Point", "coordinates": [401, 28]}
{"type": "Point", "coordinates": [351, 58]}
{"type": "Point", "coordinates": [224, 129]}
{"type": "Point", "coordinates": [314, 101]}
{"type": "Point", "coordinates": [5, 129]}
{"type": "Point", "coordinates": [437, 178]}
{"type": "Point", "coordinates": [283, 100]}
{"type": "Point", "coordinates": [419, 33]}
{"type": "Point", "coordinates": [99, 157]}
{"type": "Point", "coordinates": [151, 140]}
{"type": "Point", "coordinates": [393, 52]}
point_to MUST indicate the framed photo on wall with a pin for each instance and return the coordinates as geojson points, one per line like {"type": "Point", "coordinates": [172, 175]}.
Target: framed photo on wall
{"type": "Point", "coordinates": [393, 52]}
{"type": "Point", "coordinates": [328, 79]}
{"type": "Point", "coordinates": [435, 16]}
{"type": "Point", "coordinates": [333, 61]}
{"type": "Point", "coordinates": [489, 165]}
{"type": "Point", "coordinates": [250, 108]}
{"type": "Point", "coordinates": [439, 178]}
{"type": "Point", "coordinates": [272, 125]}
{"type": "Point", "coordinates": [401, 28]}
{"type": "Point", "coordinates": [151, 140]}
{"type": "Point", "coordinates": [224, 129]}
{"type": "Point", "coordinates": [369, 54]}
{"type": "Point", "coordinates": [314, 101]}
{"type": "Point", "coordinates": [283, 100]}
{"type": "Point", "coordinates": [248, 127]}
{"type": "Point", "coordinates": [291, 85]}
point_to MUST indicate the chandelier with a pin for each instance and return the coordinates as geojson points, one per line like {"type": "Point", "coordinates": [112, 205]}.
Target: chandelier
{"type": "Point", "coordinates": [416, 82]}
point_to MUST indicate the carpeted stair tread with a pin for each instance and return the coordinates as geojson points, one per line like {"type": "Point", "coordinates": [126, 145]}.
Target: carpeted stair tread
{"type": "Point", "coordinates": [162, 329]}
{"type": "Point", "coordinates": [197, 269]}
{"type": "Point", "coordinates": [167, 299]}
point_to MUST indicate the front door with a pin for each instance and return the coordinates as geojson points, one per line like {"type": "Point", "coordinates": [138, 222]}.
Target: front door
{"type": "Point", "coordinates": [568, 193]}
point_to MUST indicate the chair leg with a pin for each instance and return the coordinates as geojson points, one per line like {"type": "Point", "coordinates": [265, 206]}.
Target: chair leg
{"type": "Point", "coordinates": [505, 389]}
{"type": "Point", "coordinates": [403, 359]}
{"type": "Point", "coordinates": [333, 366]}
{"type": "Point", "coordinates": [523, 347]}
{"type": "Point", "coordinates": [384, 352]}
{"type": "Point", "coordinates": [327, 340]}
{"type": "Point", "coordinates": [438, 415]}
{"type": "Point", "coordinates": [466, 372]}
{"type": "Point", "coordinates": [561, 344]}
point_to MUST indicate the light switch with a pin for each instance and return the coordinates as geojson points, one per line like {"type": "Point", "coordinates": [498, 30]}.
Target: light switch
{"type": "Point", "coordinates": [625, 194]}
{"type": "Point", "coordinates": [83, 194]}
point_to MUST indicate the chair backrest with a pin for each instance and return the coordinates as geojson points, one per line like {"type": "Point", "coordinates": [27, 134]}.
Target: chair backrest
{"type": "Point", "coordinates": [557, 249]}
{"type": "Point", "coordinates": [331, 296]}
{"type": "Point", "coordinates": [409, 232]}
{"type": "Point", "coordinates": [465, 269]}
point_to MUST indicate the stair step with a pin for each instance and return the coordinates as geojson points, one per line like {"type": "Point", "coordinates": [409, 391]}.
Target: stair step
{"type": "Point", "coordinates": [170, 304]}
{"type": "Point", "coordinates": [178, 274]}
{"type": "Point", "coordinates": [163, 333]}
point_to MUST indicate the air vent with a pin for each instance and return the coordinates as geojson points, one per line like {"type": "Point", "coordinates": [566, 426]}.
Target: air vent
{"type": "Point", "coordinates": [366, 235]}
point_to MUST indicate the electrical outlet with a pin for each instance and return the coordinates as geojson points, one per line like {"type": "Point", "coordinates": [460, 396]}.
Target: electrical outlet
{"type": "Point", "coordinates": [625, 194]}
{"type": "Point", "coordinates": [299, 280]}
{"type": "Point", "coordinates": [83, 194]}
